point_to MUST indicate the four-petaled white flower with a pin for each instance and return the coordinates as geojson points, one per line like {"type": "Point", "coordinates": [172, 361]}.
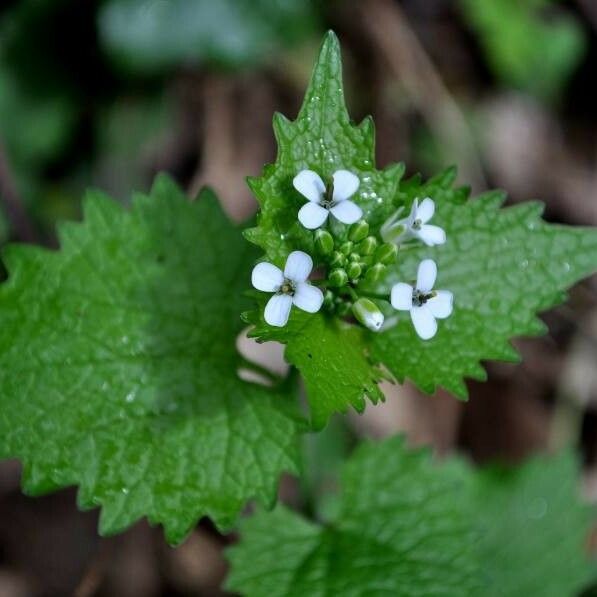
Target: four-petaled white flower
{"type": "Point", "coordinates": [322, 200]}
{"type": "Point", "coordinates": [290, 287]}
{"type": "Point", "coordinates": [425, 304]}
{"type": "Point", "coordinates": [415, 226]}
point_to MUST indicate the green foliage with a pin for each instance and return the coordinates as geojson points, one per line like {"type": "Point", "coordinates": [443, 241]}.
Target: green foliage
{"type": "Point", "coordinates": [151, 37]}
{"type": "Point", "coordinates": [323, 139]}
{"type": "Point", "coordinates": [398, 531]}
{"type": "Point", "coordinates": [118, 367]}
{"type": "Point", "coordinates": [408, 526]}
{"type": "Point", "coordinates": [524, 48]}
{"type": "Point", "coordinates": [532, 528]}
{"type": "Point", "coordinates": [331, 358]}
{"type": "Point", "coordinates": [503, 266]}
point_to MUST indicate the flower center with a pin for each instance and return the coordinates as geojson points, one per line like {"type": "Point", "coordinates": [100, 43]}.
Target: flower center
{"type": "Point", "coordinates": [420, 298]}
{"type": "Point", "coordinates": [288, 287]}
{"type": "Point", "coordinates": [327, 201]}
{"type": "Point", "coordinates": [417, 224]}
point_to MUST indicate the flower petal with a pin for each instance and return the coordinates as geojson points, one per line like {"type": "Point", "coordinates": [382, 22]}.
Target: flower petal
{"type": "Point", "coordinates": [277, 310]}
{"type": "Point", "coordinates": [432, 235]}
{"type": "Point", "coordinates": [402, 296]}
{"type": "Point", "coordinates": [424, 322]}
{"type": "Point", "coordinates": [441, 304]}
{"type": "Point", "coordinates": [347, 212]}
{"type": "Point", "coordinates": [426, 210]}
{"type": "Point", "coordinates": [309, 185]}
{"type": "Point", "coordinates": [345, 185]}
{"type": "Point", "coordinates": [307, 297]}
{"type": "Point", "coordinates": [312, 215]}
{"type": "Point", "coordinates": [298, 266]}
{"type": "Point", "coordinates": [426, 275]}
{"type": "Point", "coordinates": [267, 277]}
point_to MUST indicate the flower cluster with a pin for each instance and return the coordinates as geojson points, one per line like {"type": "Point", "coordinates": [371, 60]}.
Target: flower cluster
{"type": "Point", "coordinates": [353, 258]}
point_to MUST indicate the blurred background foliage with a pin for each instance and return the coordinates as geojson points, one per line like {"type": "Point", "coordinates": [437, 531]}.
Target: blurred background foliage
{"type": "Point", "coordinates": [106, 93]}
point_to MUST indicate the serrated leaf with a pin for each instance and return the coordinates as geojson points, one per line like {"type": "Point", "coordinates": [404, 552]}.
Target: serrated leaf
{"type": "Point", "coordinates": [408, 526]}
{"type": "Point", "coordinates": [118, 367]}
{"type": "Point", "coordinates": [324, 139]}
{"type": "Point", "coordinates": [504, 266]}
{"type": "Point", "coordinates": [331, 356]}
{"type": "Point", "coordinates": [399, 532]}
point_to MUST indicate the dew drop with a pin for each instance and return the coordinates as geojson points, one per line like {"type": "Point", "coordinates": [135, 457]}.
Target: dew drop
{"type": "Point", "coordinates": [524, 263]}
{"type": "Point", "coordinates": [566, 266]}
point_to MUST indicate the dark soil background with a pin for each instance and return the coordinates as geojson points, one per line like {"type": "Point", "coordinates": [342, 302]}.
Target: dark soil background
{"type": "Point", "coordinates": [503, 89]}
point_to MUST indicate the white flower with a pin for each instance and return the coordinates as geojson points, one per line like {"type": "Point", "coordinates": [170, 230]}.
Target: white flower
{"type": "Point", "coordinates": [415, 226]}
{"type": "Point", "coordinates": [290, 287]}
{"type": "Point", "coordinates": [425, 304]}
{"type": "Point", "coordinates": [322, 201]}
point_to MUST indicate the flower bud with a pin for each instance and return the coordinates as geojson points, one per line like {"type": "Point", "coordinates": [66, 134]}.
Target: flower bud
{"type": "Point", "coordinates": [346, 248]}
{"type": "Point", "coordinates": [354, 257]}
{"type": "Point", "coordinates": [337, 259]}
{"type": "Point", "coordinates": [338, 277]}
{"type": "Point", "coordinates": [353, 270]}
{"type": "Point", "coordinates": [375, 272]}
{"type": "Point", "coordinates": [328, 299]}
{"type": "Point", "coordinates": [386, 253]}
{"type": "Point", "coordinates": [358, 231]}
{"type": "Point", "coordinates": [367, 246]}
{"type": "Point", "coordinates": [324, 241]}
{"type": "Point", "coordinates": [368, 313]}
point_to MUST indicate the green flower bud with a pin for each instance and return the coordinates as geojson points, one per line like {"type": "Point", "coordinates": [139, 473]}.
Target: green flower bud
{"type": "Point", "coordinates": [328, 299]}
{"type": "Point", "coordinates": [386, 253]}
{"type": "Point", "coordinates": [338, 277]}
{"type": "Point", "coordinates": [375, 272]}
{"type": "Point", "coordinates": [358, 231]}
{"type": "Point", "coordinates": [324, 242]}
{"type": "Point", "coordinates": [368, 313]}
{"type": "Point", "coordinates": [353, 270]}
{"type": "Point", "coordinates": [346, 248]}
{"type": "Point", "coordinates": [354, 257]}
{"type": "Point", "coordinates": [337, 259]}
{"type": "Point", "coordinates": [368, 245]}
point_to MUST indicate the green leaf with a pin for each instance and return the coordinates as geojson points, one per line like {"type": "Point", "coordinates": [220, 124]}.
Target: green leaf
{"type": "Point", "coordinates": [408, 526]}
{"type": "Point", "coordinates": [524, 49]}
{"type": "Point", "coordinates": [331, 356]}
{"type": "Point", "coordinates": [533, 528]}
{"type": "Point", "coordinates": [118, 367]}
{"type": "Point", "coordinates": [323, 139]}
{"type": "Point", "coordinates": [231, 33]}
{"type": "Point", "coordinates": [503, 266]}
{"type": "Point", "coordinates": [399, 531]}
